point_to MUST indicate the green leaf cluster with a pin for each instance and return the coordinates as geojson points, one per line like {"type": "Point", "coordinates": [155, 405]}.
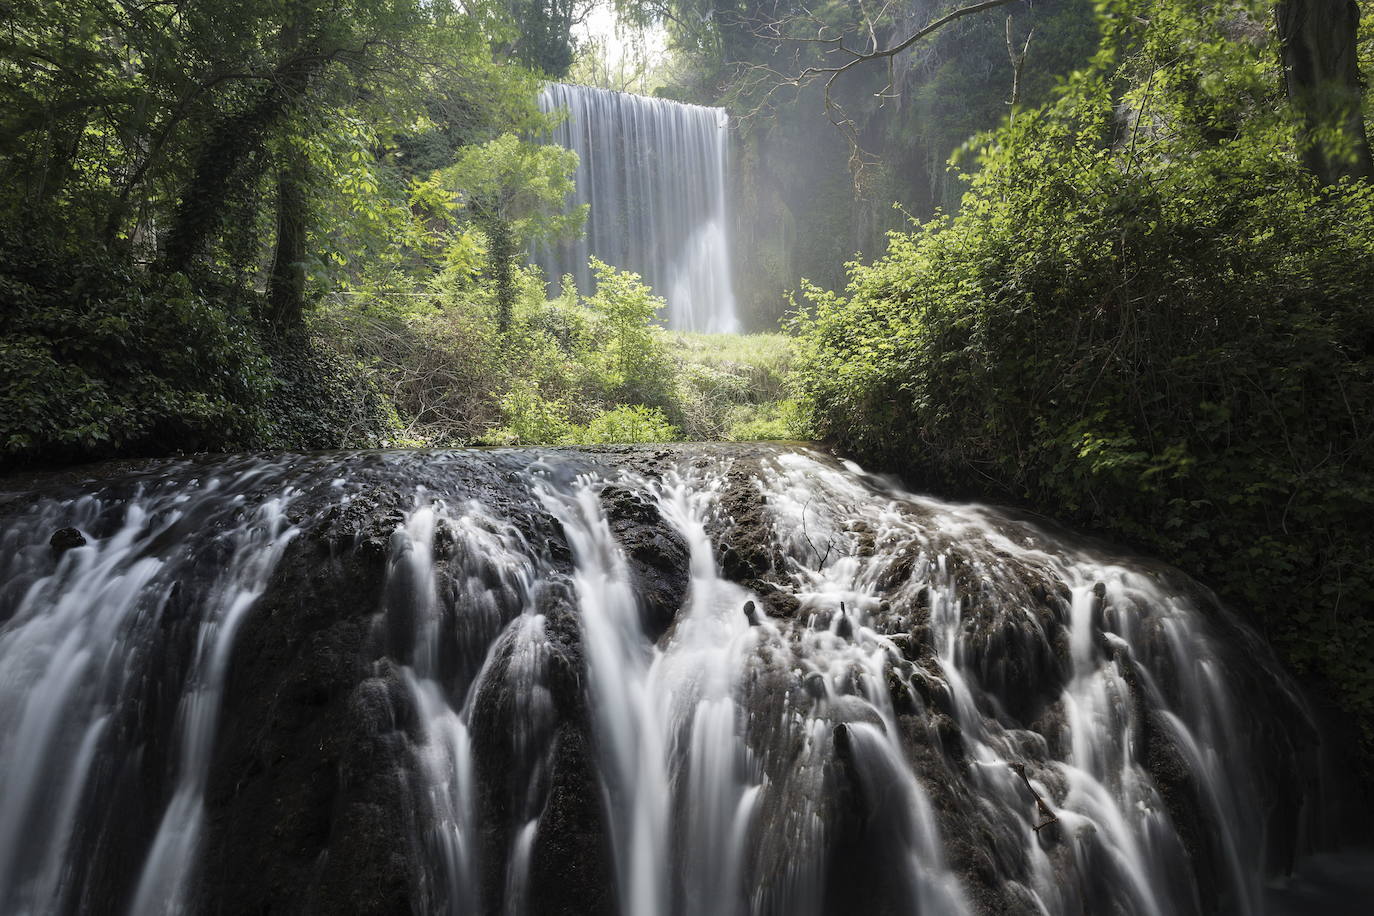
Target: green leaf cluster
{"type": "Point", "coordinates": [1146, 319]}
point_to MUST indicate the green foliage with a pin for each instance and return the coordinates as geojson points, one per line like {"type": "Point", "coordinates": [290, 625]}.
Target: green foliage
{"type": "Point", "coordinates": [728, 386]}
{"type": "Point", "coordinates": [96, 362]}
{"type": "Point", "coordinates": [519, 183]}
{"type": "Point", "coordinates": [545, 40]}
{"type": "Point", "coordinates": [115, 364]}
{"type": "Point", "coordinates": [592, 368]}
{"type": "Point", "coordinates": [532, 418]}
{"type": "Point", "coordinates": [514, 191]}
{"type": "Point", "coordinates": [784, 420]}
{"type": "Point", "coordinates": [168, 145]}
{"type": "Point", "coordinates": [1157, 326]}
{"type": "Point", "coordinates": [560, 373]}
{"type": "Point", "coordinates": [635, 423]}
{"type": "Point", "coordinates": [626, 355]}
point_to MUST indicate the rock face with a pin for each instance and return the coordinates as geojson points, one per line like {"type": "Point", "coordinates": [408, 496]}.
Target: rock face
{"type": "Point", "coordinates": [312, 804]}
{"type": "Point", "coordinates": [64, 539]}
{"type": "Point", "coordinates": [307, 803]}
{"type": "Point", "coordinates": [655, 552]}
{"type": "Point", "coordinates": [434, 700]}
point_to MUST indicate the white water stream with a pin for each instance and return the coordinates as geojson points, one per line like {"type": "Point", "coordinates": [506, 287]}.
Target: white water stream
{"type": "Point", "coordinates": [849, 730]}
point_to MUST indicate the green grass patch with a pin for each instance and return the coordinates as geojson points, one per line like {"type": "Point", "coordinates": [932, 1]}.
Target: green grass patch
{"type": "Point", "coordinates": [733, 386]}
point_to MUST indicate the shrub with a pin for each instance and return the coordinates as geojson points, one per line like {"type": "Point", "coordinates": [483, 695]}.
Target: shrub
{"type": "Point", "coordinates": [627, 424]}
{"type": "Point", "coordinates": [98, 361]}
{"type": "Point", "coordinates": [1176, 349]}
{"type": "Point", "coordinates": [531, 419]}
{"type": "Point", "coordinates": [774, 420]}
{"type": "Point", "coordinates": [723, 380]}
{"type": "Point", "coordinates": [627, 357]}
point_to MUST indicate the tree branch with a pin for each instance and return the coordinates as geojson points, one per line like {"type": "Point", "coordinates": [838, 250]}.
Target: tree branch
{"type": "Point", "coordinates": [859, 57]}
{"type": "Point", "coordinates": [836, 44]}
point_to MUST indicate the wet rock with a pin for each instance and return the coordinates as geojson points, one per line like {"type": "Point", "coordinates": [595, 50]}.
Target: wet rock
{"type": "Point", "coordinates": [779, 602]}
{"type": "Point", "coordinates": [815, 685]}
{"type": "Point", "coordinates": [745, 546]}
{"type": "Point", "coordinates": [844, 624]}
{"type": "Point", "coordinates": [1181, 795]}
{"type": "Point", "coordinates": [867, 842]}
{"type": "Point", "coordinates": [65, 539]}
{"type": "Point", "coordinates": [313, 804]}
{"type": "Point", "coordinates": [367, 519]}
{"type": "Point", "coordinates": [656, 553]}
{"type": "Point", "coordinates": [306, 798]}
{"type": "Point", "coordinates": [1017, 640]}
{"type": "Point", "coordinates": [445, 540]}
{"type": "Point", "coordinates": [571, 872]}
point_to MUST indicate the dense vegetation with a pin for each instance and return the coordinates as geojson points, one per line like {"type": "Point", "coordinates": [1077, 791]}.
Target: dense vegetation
{"type": "Point", "coordinates": [232, 224]}
{"type": "Point", "coordinates": [578, 368]}
{"type": "Point", "coordinates": [246, 223]}
{"type": "Point", "coordinates": [1150, 317]}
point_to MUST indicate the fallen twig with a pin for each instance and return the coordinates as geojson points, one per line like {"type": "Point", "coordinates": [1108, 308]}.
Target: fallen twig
{"type": "Point", "coordinates": [1045, 811]}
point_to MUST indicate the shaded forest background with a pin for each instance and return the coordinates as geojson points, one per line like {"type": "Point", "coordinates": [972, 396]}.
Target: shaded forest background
{"type": "Point", "coordinates": [1108, 259]}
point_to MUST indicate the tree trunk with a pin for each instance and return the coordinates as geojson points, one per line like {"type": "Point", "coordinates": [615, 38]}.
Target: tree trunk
{"type": "Point", "coordinates": [218, 172]}
{"type": "Point", "coordinates": [1322, 76]}
{"type": "Point", "coordinates": [286, 289]}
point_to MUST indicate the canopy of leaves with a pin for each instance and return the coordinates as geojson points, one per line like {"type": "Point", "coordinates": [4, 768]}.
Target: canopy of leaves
{"type": "Point", "coordinates": [157, 143]}
{"type": "Point", "coordinates": [520, 183]}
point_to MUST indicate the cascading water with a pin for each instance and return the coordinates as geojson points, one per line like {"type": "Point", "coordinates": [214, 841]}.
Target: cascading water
{"type": "Point", "coordinates": [717, 680]}
{"type": "Point", "coordinates": [653, 172]}
{"type": "Point", "coordinates": [112, 662]}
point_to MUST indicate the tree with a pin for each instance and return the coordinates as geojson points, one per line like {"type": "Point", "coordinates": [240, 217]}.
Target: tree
{"type": "Point", "coordinates": [544, 42]}
{"type": "Point", "coordinates": [1318, 41]}
{"type": "Point", "coordinates": [286, 285]}
{"type": "Point", "coordinates": [514, 190]}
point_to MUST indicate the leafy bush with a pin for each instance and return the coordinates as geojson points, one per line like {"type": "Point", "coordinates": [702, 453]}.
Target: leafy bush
{"type": "Point", "coordinates": [577, 368]}
{"type": "Point", "coordinates": [436, 362]}
{"type": "Point", "coordinates": [1145, 326]}
{"type": "Point", "coordinates": [626, 356]}
{"type": "Point", "coordinates": [773, 420]}
{"type": "Point", "coordinates": [531, 419]}
{"type": "Point", "coordinates": [321, 399]}
{"type": "Point", "coordinates": [97, 361]}
{"type": "Point", "coordinates": [627, 424]}
{"type": "Point", "coordinates": [725, 380]}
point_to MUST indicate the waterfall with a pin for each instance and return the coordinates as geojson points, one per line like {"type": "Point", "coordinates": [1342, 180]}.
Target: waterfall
{"type": "Point", "coordinates": [113, 656]}
{"type": "Point", "coordinates": [725, 680]}
{"type": "Point", "coordinates": [654, 174]}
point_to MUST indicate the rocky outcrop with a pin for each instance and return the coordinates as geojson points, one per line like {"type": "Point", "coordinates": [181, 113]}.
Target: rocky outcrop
{"type": "Point", "coordinates": [307, 805]}
{"type": "Point", "coordinates": [656, 553]}
{"type": "Point", "coordinates": [858, 733]}
{"type": "Point", "coordinates": [311, 804]}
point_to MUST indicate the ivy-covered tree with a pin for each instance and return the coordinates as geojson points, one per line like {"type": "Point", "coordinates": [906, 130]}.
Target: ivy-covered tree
{"type": "Point", "coordinates": [1319, 43]}
{"type": "Point", "coordinates": [515, 191]}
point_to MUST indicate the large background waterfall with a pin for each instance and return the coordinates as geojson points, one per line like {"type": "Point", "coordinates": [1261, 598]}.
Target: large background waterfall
{"type": "Point", "coordinates": [656, 682]}
{"type": "Point", "coordinates": [654, 173]}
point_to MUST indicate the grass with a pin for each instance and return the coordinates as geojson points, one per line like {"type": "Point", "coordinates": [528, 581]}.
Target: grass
{"type": "Point", "coordinates": [734, 387]}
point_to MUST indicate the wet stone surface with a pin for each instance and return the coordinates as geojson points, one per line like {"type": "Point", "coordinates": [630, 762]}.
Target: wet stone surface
{"type": "Point", "coordinates": [669, 681]}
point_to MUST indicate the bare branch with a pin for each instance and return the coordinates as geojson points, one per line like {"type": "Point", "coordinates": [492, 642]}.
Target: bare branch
{"type": "Point", "coordinates": [832, 44]}
{"type": "Point", "coordinates": [861, 57]}
{"type": "Point", "coordinates": [1018, 60]}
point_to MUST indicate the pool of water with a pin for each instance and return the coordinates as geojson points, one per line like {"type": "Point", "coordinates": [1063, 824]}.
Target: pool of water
{"type": "Point", "coordinates": [1330, 884]}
